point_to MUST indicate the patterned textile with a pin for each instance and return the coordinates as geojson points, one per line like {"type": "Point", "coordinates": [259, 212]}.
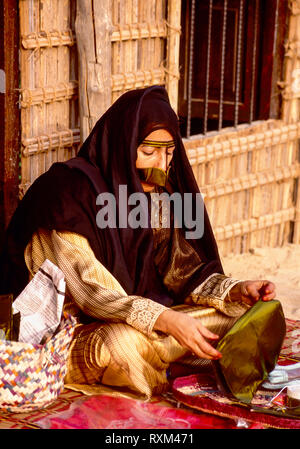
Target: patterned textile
{"type": "Point", "coordinates": [214, 292]}
{"type": "Point", "coordinates": [72, 400]}
{"type": "Point", "coordinates": [290, 351]}
{"type": "Point", "coordinates": [93, 290]}
{"type": "Point", "coordinates": [100, 352]}
{"type": "Point", "coordinates": [90, 287]}
{"type": "Point", "coordinates": [32, 375]}
{"type": "Point", "coordinates": [200, 392]}
{"type": "Point", "coordinates": [208, 420]}
{"type": "Point", "coordinates": [106, 412]}
{"type": "Point", "coordinates": [118, 355]}
{"type": "Point", "coordinates": [26, 420]}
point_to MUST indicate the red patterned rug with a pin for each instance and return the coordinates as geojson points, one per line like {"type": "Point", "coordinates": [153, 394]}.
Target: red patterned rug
{"type": "Point", "coordinates": [200, 391]}
{"type": "Point", "coordinates": [107, 412]}
{"type": "Point", "coordinates": [186, 408]}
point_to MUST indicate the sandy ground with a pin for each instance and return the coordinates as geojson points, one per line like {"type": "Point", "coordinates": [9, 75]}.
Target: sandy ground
{"type": "Point", "coordinates": [279, 265]}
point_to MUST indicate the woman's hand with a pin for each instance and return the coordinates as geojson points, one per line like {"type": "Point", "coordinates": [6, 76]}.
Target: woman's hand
{"type": "Point", "coordinates": [251, 291]}
{"type": "Point", "coordinates": [189, 332]}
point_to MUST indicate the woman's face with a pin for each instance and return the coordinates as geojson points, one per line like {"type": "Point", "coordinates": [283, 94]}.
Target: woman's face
{"type": "Point", "coordinates": [157, 155]}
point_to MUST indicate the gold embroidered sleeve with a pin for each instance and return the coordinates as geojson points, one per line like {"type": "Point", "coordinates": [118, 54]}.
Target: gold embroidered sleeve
{"type": "Point", "coordinates": [214, 292]}
{"type": "Point", "coordinates": [92, 287]}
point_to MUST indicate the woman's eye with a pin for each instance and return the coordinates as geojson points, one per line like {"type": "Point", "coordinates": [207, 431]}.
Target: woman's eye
{"type": "Point", "coordinates": [148, 153]}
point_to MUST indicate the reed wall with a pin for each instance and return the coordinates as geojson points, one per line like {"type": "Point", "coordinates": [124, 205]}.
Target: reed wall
{"type": "Point", "coordinates": [249, 176]}
{"type": "Point", "coordinates": [249, 180]}
{"type": "Point", "coordinates": [49, 86]}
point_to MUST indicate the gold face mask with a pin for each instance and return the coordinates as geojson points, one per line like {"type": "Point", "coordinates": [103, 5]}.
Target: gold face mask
{"type": "Point", "coordinates": [153, 175]}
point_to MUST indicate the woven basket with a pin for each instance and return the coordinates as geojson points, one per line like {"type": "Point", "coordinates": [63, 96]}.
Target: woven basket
{"type": "Point", "coordinates": [32, 375]}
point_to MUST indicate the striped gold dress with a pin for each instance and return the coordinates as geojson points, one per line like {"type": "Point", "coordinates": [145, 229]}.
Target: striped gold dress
{"type": "Point", "coordinates": [117, 345]}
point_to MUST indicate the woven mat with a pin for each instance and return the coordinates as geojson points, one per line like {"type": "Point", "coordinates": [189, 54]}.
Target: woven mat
{"type": "Point", "coordinates": [218, 418]}
{"type": "Point", "coordinates": [122, 412]}
{"type": "Point", "coordinates": [27, 420]}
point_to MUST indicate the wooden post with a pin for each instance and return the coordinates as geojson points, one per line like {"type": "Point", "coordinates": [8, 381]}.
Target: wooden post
{"type": "Point", "coordinates": [9, 111]}
{"type": "Point", "coordinates": [291, 84]}
{"type": "Point", "coordinates": [93, 34]}
{"type": "Point", "coordinates": [291, 96]}
{"type": "Point", "coordinates": [172, 71]}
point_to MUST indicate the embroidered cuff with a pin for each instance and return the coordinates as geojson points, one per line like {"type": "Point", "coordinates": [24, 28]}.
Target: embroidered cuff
{"type": "Point", "coordinates": [143, 314]}
{"type": "Point", "coordinates": [213, 293]}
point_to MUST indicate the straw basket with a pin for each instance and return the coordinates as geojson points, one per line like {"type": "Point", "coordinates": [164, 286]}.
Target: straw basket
{"type": "Point", "coordinates": [32, 375]}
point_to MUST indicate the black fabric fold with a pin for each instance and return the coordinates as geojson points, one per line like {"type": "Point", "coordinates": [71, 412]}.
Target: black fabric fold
{"type": "Point", "coordinates": [64, 199]}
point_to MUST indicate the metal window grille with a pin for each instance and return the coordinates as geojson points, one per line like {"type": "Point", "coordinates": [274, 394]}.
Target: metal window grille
{"type": "Point", "coordinates": [244, 68]}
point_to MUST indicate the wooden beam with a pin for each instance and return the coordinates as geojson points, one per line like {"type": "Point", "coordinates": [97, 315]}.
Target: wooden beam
{"type": "Point", "coordinates": [138, 31]}
{"type": "Point", "coordinates": [200, 151]}
{"type": "Point", "coordinates": [140, 78]}
{"type": "Point", "coordinates": [273, 54]}
{"type": "Point", "coordinates": [43, 143]}
{"type": "Point", "coordinates": [9, 111]}
{"type": "Point", "coordinates": [291, 95]}
{"type": "Point", "coordinates": [254, 224]}
{"type": "Point", "coordinates": [250, 181]}
{"type": "Point", "coordinates": [290, 102]}
{"type": "Point", "coordinates": [51, 38]}
{"type": "Point", "coordinates": [173, 41]}
{"type": "Point", "coordinates": [93, 35]}
{"type": "Point", "coordinates": [48, 94]}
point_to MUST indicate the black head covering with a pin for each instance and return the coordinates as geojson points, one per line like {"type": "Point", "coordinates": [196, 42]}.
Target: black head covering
{"type": "Point", "coordinates": [64, 198]}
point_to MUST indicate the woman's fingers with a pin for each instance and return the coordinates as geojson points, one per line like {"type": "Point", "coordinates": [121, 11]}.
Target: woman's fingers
{"type": "Point", "coordinates": [197, 344]}
{"type": "Point", "coordinates": [207, 333]}
{"type": "Point", "coordinates": [252, 291]}
{"type": "Point", "coordinates": [190, 334]}
{"type": "Point", "coordinates": [268, 297]}
{"type": "Point", "coordinates": [209, 351]}
{"type": "Point", "coordinates": [203, 355]}
{"type": "Point", "coordinates": [268, 291]}
{"type": "Point", "coordinates": [203, 348]}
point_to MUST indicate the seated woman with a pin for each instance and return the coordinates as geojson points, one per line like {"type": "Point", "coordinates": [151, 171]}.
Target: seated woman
{"type": "Point", "coordinates": [144, 296]}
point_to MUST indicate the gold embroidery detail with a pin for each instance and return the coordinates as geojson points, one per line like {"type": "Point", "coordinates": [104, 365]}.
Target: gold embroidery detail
{"type": "Point", "coordinates": [213, 293]}
{"type": "Point", "coordinates": [144, 313]}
